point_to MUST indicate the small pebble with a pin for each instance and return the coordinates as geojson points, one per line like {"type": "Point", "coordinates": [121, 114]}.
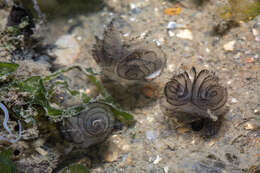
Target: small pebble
{"type": "Point", "coordinates": [132, 19]}
{"type": "Point", "coordinates": [229, 46]}
{"type": "Point", "coordinates": [252, 124]}
{"type": "Point", "coordinates": [257, 112]}
{"type": "Point", "coordinates": [182, 130]}
{"type": "Point", "coordinates": [150, 135]}
{"type": "Point", "coordinates": [171, 34]}
{"type": "Point", "coordinates": [79, 38]}
{"type": "Point", "coordinates": [171, 25]}
{"type": "Point", "coordinates": [229, 82]}
{"type": "Point", "coordinates": [70, 21]}
{"type": "Point", "coordinates": [132, 6]}
{"type": "Point", "coordinates": [111, 156]}
{"type": "Point", "coordinates": [249, 59]}
{"type": "Point", "coordinates": [211, 143]}
{"type": "Point", "coordinates": [136, 10]}
{"type": "Point", "coordinates": [234, 100]}
{"type": "Point", "coordinates": [161, 40]}
{"type": "Point", "coordinates": [172, 11]}
{"type": "Point", "coordinates": [174, 25]}
{"type": "Point", "coordinates": [126, 147]}
{"type": "Point", "coordinates": [119, 143]}
{"type": "Point", "coordinates": [255, 32]}
{"type": "Point", "coordinates": [157, 42]}
{"type": "Point", "coordinates": [185, 34]}
{"type": "Point", "coordinates": [150, 119]}
{"type": "Point", "coordinates": [157, 160]}
{"type": "Point", "coordinates": [237, 56]}
{"type": "Point", "coordinates": [143, 34]}
{"type": "Point", "coordinates": [41, 151]}
{"type": "Point", "coordinates": [166, 169]}
{"type": "Point", "coordinates": [128, 160]}
{"type": "Point", "coordinates": [171, 67]}
{"type": "Point", "coordinates": [67, 50]}
{"type": "Point", "coordinates": [126, 34]}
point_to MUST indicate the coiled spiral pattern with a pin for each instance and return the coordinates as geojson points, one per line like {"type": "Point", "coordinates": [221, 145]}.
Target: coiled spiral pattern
{"type": "Point", "coordinates": [138, 65]}
{"type": "Point", "coordinates": [89, 127]}
{"type": "Point", "coordinates": [204, 92]}
{"type": "Point", "coordinates": [133, 61]}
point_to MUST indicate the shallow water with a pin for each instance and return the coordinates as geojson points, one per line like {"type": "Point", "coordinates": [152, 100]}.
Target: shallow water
{"type": "Point", "coordinates": [153, 144]}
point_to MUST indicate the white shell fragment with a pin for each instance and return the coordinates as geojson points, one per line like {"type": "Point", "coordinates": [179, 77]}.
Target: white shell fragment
{"type": "Point", "coordinates": [230, 45]}
{"type": "Point", "coordinates": [185, 34]}
{"type": "Point", "coordinates": [157, 160]}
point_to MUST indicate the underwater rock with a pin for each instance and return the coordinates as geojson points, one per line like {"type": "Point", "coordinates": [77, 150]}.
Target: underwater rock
{"type": "Point", "coordinates": [67, 50]}
{"type": "Point", "coordinates": [90, 127]}
{"type": "Point", "coordinates": [19, 15]}
{"type": "Point", "coordinates": [214, 166]}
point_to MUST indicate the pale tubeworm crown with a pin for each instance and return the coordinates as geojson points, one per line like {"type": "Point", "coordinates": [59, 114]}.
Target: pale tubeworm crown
{"type": "Point", "coordinates": [126, 59]}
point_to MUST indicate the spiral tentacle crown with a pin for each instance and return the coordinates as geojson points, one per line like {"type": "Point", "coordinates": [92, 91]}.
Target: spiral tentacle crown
{"type": "Point", "coordinates": [203, 95]}
{"type": "Point", "coordinates": [131, 62]}
{"type": "Point", "coordinates": [90, 127]}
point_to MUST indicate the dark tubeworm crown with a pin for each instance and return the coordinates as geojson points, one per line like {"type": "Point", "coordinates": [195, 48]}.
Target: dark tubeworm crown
{"type": "Point", "coordinates": [90, 127]}
{"type": "Point", "coordinates": [133, 61]}
{"type": "Point", "coordinates": [203, 95]}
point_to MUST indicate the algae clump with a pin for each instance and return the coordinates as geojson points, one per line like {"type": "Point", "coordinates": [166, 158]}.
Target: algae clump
{"type": "Point", "coordinates": [240, 10]}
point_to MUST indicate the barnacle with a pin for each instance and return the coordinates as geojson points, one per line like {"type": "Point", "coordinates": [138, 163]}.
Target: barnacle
{"type": "Point", "coordinates": [195, 98]}
{"type": "Point", "coordinates": [133, 61]}
{"type": "Point", "coordinates": [90, 127]}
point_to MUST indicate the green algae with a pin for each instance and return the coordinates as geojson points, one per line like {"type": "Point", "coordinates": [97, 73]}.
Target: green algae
{"type": "Point", "coordinates": [6, 164]}
{"type": "Point", "coordinates": [240, 10]}
{"type": "Point", "coordinates": [38, 91]}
